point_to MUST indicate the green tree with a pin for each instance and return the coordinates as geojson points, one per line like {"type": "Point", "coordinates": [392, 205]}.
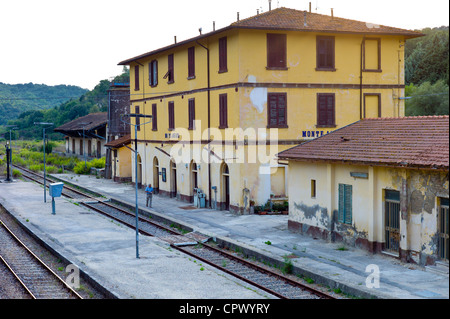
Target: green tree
{"type": "Point", "coordinates": [427, 99]}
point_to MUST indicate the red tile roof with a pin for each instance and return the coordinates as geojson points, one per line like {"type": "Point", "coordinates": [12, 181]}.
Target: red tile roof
{"type": "Point", "coordinates": [88, 122]}
{"type": "Point", "coordinates": [291, 19]}
{"type": "Point", "coordinates": [122, 141]}
{"type": "Point", "coordinates": [411, 142]}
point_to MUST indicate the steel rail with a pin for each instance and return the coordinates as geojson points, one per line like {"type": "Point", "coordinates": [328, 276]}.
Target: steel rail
{"type": "Point", "coordinates": [39, 261]}
{"type": "Point", "coordinates": [17, 277]}
{"type": "Point", "coordinates": [269, 272]}
{"type": "Point", "coordinates": [216, 250]}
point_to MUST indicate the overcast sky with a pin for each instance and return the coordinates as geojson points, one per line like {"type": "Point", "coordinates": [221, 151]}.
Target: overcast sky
{"type": "Point", "coordinates": [80, 42]}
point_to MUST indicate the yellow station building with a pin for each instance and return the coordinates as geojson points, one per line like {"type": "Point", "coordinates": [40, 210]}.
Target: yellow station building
{"type": "Point", "coordinates": [224, 103]}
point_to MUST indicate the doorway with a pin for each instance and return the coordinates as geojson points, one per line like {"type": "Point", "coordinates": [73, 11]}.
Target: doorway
{"type": "Point", "coordinates": [226, 187]}
{"type": "Point", "coordinates": [173, 179]}
{"type": "Point", "coordinates": [156, 175]}
{"type": "Point", "coordinates": [443, 229]}
{"type": "Point", "coordinates": [194, 179]}
{"type": "Point", "coordinates": [139, 168]}
{"type": "Point", "coordinates": [392, 221]}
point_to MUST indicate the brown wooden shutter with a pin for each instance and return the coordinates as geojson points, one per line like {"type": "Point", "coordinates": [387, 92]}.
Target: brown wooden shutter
{"type": "Point", "coordinates": [223, 67]}
{"type": "Point", "coordinates": [277, 110]}
{"type": "Point", "coordinates": [276, 50]}
{"type": "Point", "coordinates": [154, 117]}
{"type": "Point", "coordinates": [223, 111]}
{"type": "Point", "coordinates": [138, 120]}
{"type": "Point", "coordinates": [191, 62]}
{"type": "Point", "coordinates": [325, 52]}
{"type": "Point", "coordinates": [326, 110]}
{"type": "Point", "coordinates": [191, 114]}
{"type": "Point", "coordinates": [136, 78]}
{"type": "Point", "coordinates": [170, 72]}
{"type": "Point", "coordinates": [171, 115]}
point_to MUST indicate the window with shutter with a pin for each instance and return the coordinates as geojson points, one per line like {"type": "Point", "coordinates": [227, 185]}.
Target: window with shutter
{"type": "Point", "coordinates": [345, 204]}
{"type": "Point", "coordinates": [191, 63]}
{"type": "Point", "coordinates": [138, 120]}
{"type": "Point", "coordinates": [153, 73]}
{"type": "Point", "coordinates": [277, 110]}
{"type": "Point", "coordinates": [325, 57]}
{"type": "Point", "coordinates": [171, 116]}
{"type": "Point", "coordinates": [223, 111]}
{"type": "Point", "coordinates": [276, 51]}
{"type": "Point", "coordinates": [191, 113]}
{"type": "Point", "coordinates": [136, 78]}
{"type": "Point", "coordinates": [223, 63]}
{"type": "Point", "coordinates": [326, 110]}
{"type": "Point", "coordinates": [154, 117]}
{"type": "Point", "coordinates": [170, 73]}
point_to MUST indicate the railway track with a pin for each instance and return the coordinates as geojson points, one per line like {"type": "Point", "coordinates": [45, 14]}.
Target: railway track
{"type": "Point", "coordinates": [34, 276]}
{"type": "Point", "coordinates": [195, 245]}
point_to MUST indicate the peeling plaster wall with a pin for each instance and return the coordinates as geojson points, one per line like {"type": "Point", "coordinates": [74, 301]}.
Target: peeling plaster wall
{"type": "Point", "coordinates": [419, 192]}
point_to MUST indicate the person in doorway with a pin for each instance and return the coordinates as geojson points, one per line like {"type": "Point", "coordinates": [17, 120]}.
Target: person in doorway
{"type": "Point", "coordinates": [149, 191]}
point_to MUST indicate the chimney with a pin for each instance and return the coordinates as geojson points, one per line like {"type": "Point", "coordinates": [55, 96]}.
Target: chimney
{"type": "Point", "coordinates": [304, 19]}
{"type": "Point", "coordinates": [270, 5]}
{"type": "Point", "coordinates": [332, 16]}
{"type": "Point", "coordinates": [175, 38]}
{"type": "Point", "coordinates": [200, 30]}
{"type": "Point", "coordinates": [238, 16]}
{"type": "Point", "coordinates": [310, 7]}
{"type": "Point", "coordinates": [214, 25]}
{"type": "Point", "coordinates": [257, 11]}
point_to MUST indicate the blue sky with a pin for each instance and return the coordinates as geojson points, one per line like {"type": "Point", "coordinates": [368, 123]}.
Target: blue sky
{"type": "Point", "coordinates": [80, 42]}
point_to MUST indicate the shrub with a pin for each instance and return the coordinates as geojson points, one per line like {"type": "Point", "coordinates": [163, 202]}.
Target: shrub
{"type": "Point", "coordinates": [16, 173]}
{"type": "Point", "coordinates": [35, 167]}
{"type": "Point", "coordinates": [81, 168]}
{"type": "Point", "coordinates": [98, 162]}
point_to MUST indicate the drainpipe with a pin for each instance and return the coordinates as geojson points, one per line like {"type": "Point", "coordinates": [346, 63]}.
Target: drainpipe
{"type": "Point", "coordinates": [209, 121]}
{"type": "Point", "coordinates": [361, 81]}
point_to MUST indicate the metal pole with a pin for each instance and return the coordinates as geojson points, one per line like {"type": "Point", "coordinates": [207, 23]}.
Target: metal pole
{"type": "Point", "coordinates": [136, 186]}
{"type": "Point", "coordinates": [43, 145]}
{"type": "Point", "coordinates": [84, 150]}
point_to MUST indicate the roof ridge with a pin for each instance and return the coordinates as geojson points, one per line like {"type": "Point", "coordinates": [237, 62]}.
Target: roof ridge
{"type": "Point", "coordinates": [407, 117]}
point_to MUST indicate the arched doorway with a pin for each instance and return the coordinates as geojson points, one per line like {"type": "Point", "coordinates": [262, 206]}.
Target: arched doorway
{"type": "Point", "coordinates": [173, 179]}
{"type": "Point", "coordinates": [139, 171]}
{"type": "Point", "coordinates": [194, 179]}
{"type": "Point", "coordinates": [225, 187]}
{"type": "Point", "coordinates": [156, 175]}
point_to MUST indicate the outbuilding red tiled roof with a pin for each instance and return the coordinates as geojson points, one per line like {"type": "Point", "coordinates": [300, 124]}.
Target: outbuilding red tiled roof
{"type": "Point", "coordinates": [124, 140]}
{"type": "Point", "coordinates": [411, 142]}
{"type": "Point", "coordinates": [291, 19]}
{"type": "Point", "coordinates": [88, 122]}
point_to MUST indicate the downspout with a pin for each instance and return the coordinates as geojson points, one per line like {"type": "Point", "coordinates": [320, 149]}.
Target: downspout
{"type": "Point", "coordinates": [361, 81]}
{"type": "Point", "coordinates": [209, 120]}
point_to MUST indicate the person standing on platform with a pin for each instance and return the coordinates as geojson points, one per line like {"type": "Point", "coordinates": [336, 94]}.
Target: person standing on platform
{"type": "Point", "coordinates": [149, 191]}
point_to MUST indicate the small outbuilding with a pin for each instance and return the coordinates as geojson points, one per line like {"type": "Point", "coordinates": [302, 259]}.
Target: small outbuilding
{"type": "Point", "coordinates": [379, 184]}
{"type": "Point", "coordinates": [86, 135]}
{"type": "Point", "coordinates": [120, 158]}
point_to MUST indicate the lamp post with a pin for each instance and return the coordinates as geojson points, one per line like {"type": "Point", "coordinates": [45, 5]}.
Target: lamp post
{"type": "Point", "coordinates": [43, 148]}
{"type": "Point", "coordinates": [136, 170]}
{"type": "Point", "coordinates": [9, 154]}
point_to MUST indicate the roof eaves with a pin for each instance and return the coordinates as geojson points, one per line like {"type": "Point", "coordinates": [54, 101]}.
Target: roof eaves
{"type": "Point", "coordinates": [175, 45]}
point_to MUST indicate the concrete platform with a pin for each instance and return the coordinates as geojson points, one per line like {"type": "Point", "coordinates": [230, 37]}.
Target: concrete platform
{"type": "Point", "coordinates": [106, 251]}
{"type": "Point", "coordinates": [348, 269]}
